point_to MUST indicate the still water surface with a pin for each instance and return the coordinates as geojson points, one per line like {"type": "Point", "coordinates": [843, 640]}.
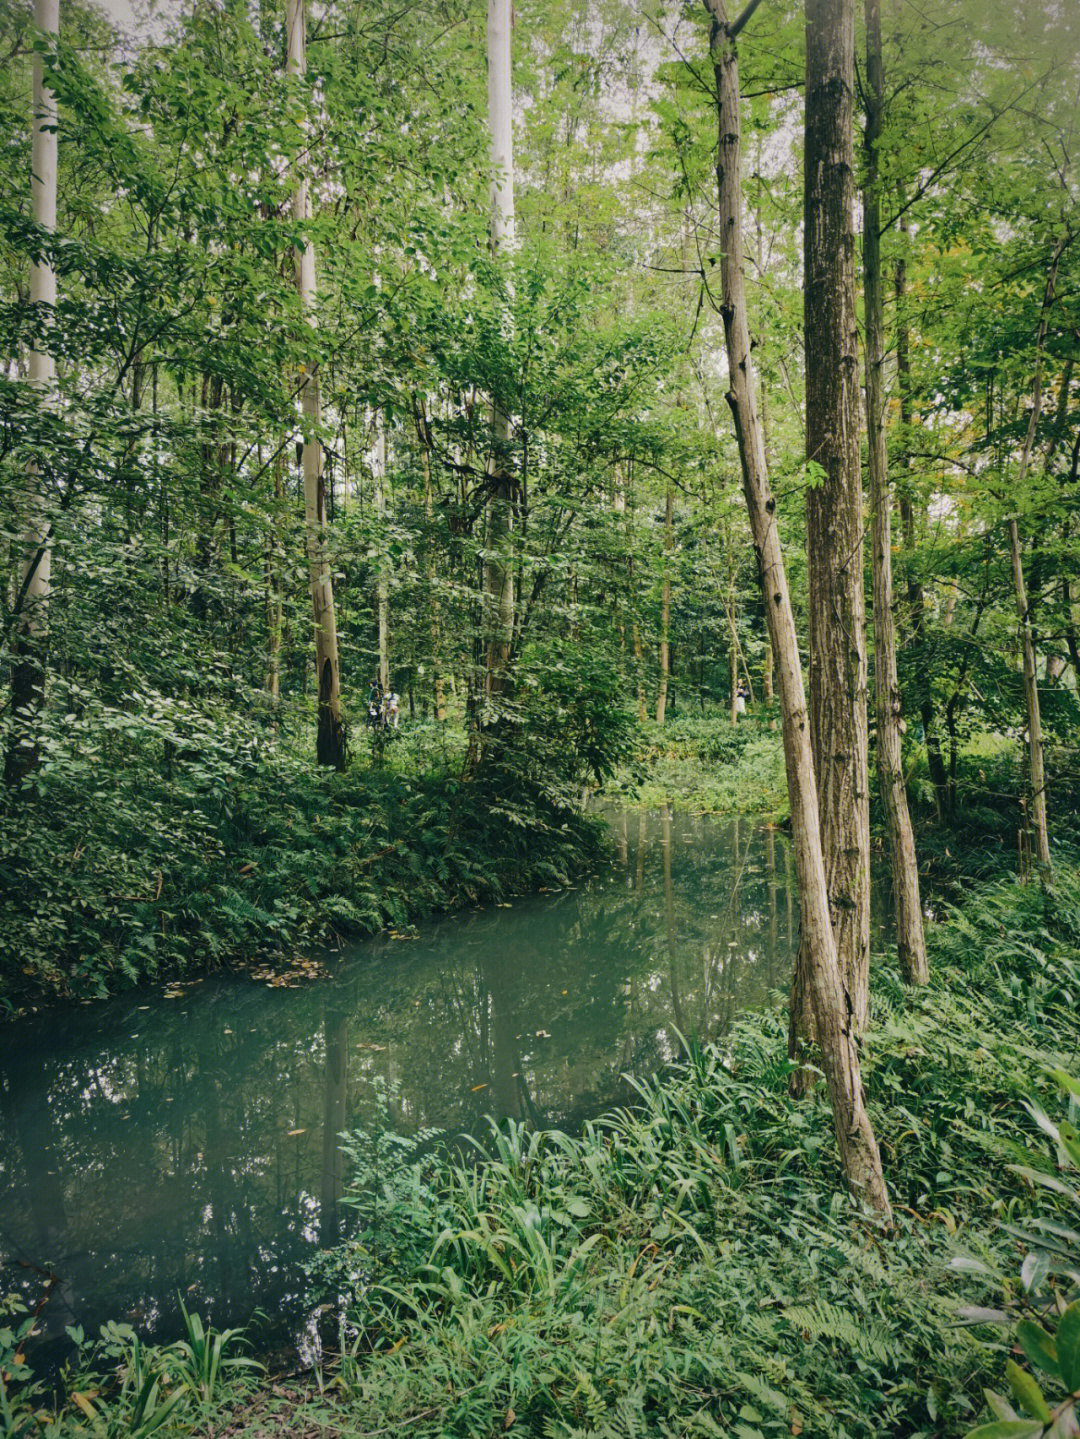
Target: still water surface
{"type": "Point", "coordinates": [154, 1147]}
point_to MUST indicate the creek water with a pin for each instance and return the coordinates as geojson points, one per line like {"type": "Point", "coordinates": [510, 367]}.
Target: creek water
{"type": "Point", "coordinates": [184, 1144]}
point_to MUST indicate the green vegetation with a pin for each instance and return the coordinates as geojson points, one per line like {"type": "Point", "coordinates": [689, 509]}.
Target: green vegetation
{"type": "Point", "coordinates": [703, 762]}
{"type": "Point", "coordinates": [689, 1265]}
{"type": "Point", "coordinates": [234, 850]}
{"type": "Point", "coordinates": [363, 360]}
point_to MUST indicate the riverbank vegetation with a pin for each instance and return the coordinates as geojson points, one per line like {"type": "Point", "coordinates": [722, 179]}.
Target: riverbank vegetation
{"type": "Point", "coordinates": [413, 422]}
{"type": "Point", "coordinates": [690, 1264]}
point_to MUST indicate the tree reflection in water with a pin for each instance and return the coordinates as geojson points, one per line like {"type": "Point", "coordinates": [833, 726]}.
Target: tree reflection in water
{"type": "Point", "coordinates": [155, 1148]}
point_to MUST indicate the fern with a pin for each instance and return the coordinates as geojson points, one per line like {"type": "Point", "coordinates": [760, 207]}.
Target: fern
{"type": "Point", "coordinates": [822, 1320]}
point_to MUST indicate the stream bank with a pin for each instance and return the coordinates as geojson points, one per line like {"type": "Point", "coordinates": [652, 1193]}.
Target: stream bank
{"type": "Point", "coordinates": [692, 1265]}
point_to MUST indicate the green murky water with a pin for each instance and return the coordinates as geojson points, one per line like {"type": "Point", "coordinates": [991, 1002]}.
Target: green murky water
{"type": "Point", "coordinates": [155, 1147]}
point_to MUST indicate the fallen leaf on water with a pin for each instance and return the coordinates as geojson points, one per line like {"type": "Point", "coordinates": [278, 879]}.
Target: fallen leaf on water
{"type": "Point", "coordinates": [477, 1088]}
{"type": "Point", "coordinates": [542, 1034]}
{"type": "Point", "coordinates": [294, 1132]}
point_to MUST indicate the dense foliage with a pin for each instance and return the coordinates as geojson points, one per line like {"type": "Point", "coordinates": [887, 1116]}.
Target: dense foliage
{"type": "Point", "coordinates": [689, 1265]}
{"type": "Point", "coordinates": [176, 704]}
{"type": "Point", "coordinates": [527, 511]}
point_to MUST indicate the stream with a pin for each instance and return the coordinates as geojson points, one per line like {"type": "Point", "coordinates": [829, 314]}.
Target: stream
{"type": "Point", "coordinates": [181, 1142]}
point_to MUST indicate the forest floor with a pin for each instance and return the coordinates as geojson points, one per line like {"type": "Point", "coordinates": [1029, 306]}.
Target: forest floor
{"type": "Point", "coordinates": [692, 1265]}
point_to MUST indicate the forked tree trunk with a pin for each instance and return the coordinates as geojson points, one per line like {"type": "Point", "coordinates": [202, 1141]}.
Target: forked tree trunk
{"type": "Point", "coordinates": [330, 730]}
{"type": "Point", "coordinates": [665, 611]}
{"type": "Point", "coordinates": [838, 673]}
{"type": "Point", "coordinates": [32, 629]}
{"type": "Point", "coordinates": [910, 940]}
{"type": "Point", "coordinates": [1027, 638]}
{"type": "Point", "coordinates": [859, 1154]}
{"type": "Point", "coordinates": [498, 606]}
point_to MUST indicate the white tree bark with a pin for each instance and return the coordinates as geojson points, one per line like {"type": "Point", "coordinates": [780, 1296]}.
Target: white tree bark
{"type": "Point", "coordinates": [330, 735]}
{"type": "Point", "coordinates": [498, 563]}
{"type": "Point", "coordinates": [28, 674]}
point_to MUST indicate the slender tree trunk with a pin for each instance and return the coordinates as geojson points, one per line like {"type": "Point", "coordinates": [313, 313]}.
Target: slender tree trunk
{"type": "Point", "coordinates": [767, 663]}
{"type": "Point", "coordinates": [274, 566]}
{"type": "Point", "coordinates": [32, 631]}
{"type": "Point", "coordinates": [1027, 638]}
{"type": "Point", "coordinates": [429, 568]}
{"type": "Point", "coordinates": [639, 663]}
{"type": "Point", "coordinates": [859, 1154]}
{"type": "Point", "coordinates": [498, 573]}
{"type": "Point", "coordinates": [382, 580]}
{"type": "Point", "coordinates": [915, 595]}
{"type": "Point", "coordinates": [838, 674]}
{"type": "Point", "coordinates": [910, 940]}
{"type": "Point", "coordinates": [665, 610]}
{"type": "Point", "coordinates": [330, 731]}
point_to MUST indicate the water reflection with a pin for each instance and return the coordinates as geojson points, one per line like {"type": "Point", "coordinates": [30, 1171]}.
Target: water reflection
{"type": "Point", "coordinates": [155, 1148]}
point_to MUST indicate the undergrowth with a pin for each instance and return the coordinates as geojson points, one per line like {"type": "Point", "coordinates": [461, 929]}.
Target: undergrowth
{"type": "Point", "coordinates": [691, 1265]}
{"type": "Point", "coordinates": [207, 845]}
{"type": "Point", "coordinates": [704, 763]}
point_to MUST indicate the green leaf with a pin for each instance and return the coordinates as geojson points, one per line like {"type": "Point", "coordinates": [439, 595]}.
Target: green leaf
{"type": "Point", "coordinates": [999, 1407]}
{"type": "Point", "coordinates": [1026, 1391]}
{"type": "Point", "coordinates": [1066, 1081]}
{"type": "Point", "coordinates": [1039, 1346]}
{"type": "Point", "coordinates": [1068, 1346]}
{"type": "Point", "coordinates": [1007, 1429]}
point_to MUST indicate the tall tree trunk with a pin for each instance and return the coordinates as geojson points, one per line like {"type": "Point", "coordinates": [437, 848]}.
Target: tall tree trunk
{"type": "Point", "coordinates": [382, 579]}
{"type": "Point", "coordinates": [1027, 638]}
{"type": "Point", "coordinates": [31, 635]}
{"type": "Point", "coordinates": [498, 575]}
{"type": "Point", "coordinates": [838, 675]}
{"type": "Point", "coordinates": [910, 940]}
{"type": "Point", "coordinates": [330, 730]}
{"type": "Point", "coordinates": [665, 610]}
{"type": "Point", "coordinates": [424, 431]}
{"type": "Point", "coordinates": [915, 595]}
{"type": "Point", "coordinates": [274, 568]}
{"type": "Point", "coordinates": [831, 1009]}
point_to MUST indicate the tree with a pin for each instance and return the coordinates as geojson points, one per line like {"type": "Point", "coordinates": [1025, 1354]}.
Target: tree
{"type": "Point", "coordinates": [498, 557]}
{"type": "Point", "coordinates": [330, 725]}
{"type": "Point", "coordinates": [32, 599]}
{"type": "Point", "coordinates": [834, 536]}
{"type": "Point", "coordinates": [821, 972]}
{"type": "Point", "coordinates": [1027, 640]}
{"type": "Point", "coordinates": [910, 941]}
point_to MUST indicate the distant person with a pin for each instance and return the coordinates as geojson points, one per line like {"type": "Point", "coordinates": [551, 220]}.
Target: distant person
{"type": "Point", "coordinates": [393, 708]}
{"type": "Point", "coordinates": [740, 698]}
{"type": "Point", "coordinates": [375, 704]}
